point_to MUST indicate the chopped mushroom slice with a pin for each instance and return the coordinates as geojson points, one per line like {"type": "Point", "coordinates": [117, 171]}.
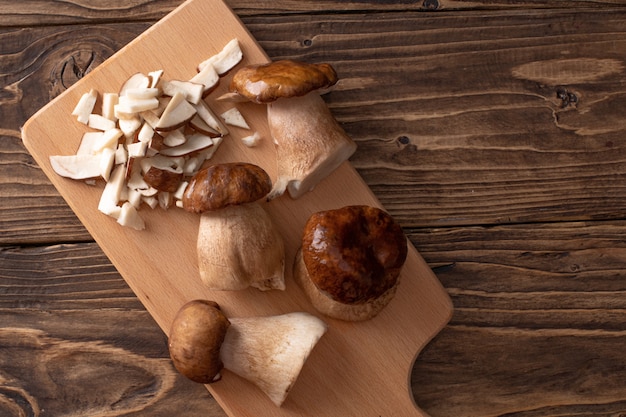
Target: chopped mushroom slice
{"type": "Point", "coordinates": [77, 167]}
{"type": "Point", "coordinates": [192, 91]}
{"type": "Point", "coordinates": [177, 113]}
{"type": "Point", "coordinates": [310, 143]}
{"type": "Point", "coordinates": [234, 117]}
{"type": "Point", "coordinates": [252, 140]}
{"type": "Point", "coordinates": [85, 106]}
{"type": "Point", "coordinates": [268, 351]}
{"type": "Point", "coordinates": [224, 60]}
{"type": "Point", "coordinates": [208, 77]}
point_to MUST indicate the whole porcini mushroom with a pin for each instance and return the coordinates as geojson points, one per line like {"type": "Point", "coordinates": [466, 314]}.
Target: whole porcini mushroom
{"type": "Point", "coordinates": [267, 351]}
{"type": "Point", "coordinates": [310, 143]}
{"type": "Point", "coordinates": [238, 245]}
{"type": "Point", "coordinates": [350, 261]}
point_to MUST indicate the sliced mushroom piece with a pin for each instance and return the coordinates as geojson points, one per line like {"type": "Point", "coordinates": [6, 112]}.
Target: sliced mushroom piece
{"type": "Point", "coordinates": [238, 245]}
{"type": "Point", "coordinates": [230, 55]}
{"type": "Point", "coordinates": [174, 137]}
{"type": "Point", "coordinates": [207, 115]}
{"type": "Point", "coordinates": [77, 167]}
{"type": "Point", "coordinates": [310, 143]}
{"type": "Point", "coordinates": [142, 93]}
{"type": "Point", "coordinates": [193, 143]}
{"type": "Point", "coordinates": [177, 113]}
{"type": "Point", "coordinates": [191, 90]}
{"type": "Point", "coordinates": [268, 351]}
{"type": "Point", "coordinates": [129, 106]}
{"type": "Point", "coordinates": [129, 217]}
{"type": "Point", "coordinates": [198, 124]}
{"type": "Point", "coordinates": [85, 106]}
{"type": "Point", "coordinates": [137, 80]}
{"type": "Point", "coordinates": [208, 77]}
{"type": "Point", "coordinates": [234, 117]}
{"type": "Point", "coordinates": [113, 189]}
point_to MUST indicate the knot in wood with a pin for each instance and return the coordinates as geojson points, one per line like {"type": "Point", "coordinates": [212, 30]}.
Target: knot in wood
{"type": "Point", "coordinates": [15, 397]}
{"type": "Point", "coordinates": [567, 97]}
{"type": "Point", "coordinates": [430, 4]}
{"type": "Point", "coordinates": [74, 67]}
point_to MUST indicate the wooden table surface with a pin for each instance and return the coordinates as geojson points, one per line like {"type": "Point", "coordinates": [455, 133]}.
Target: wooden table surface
{"type": "Point", "coordinates": [493, 131]}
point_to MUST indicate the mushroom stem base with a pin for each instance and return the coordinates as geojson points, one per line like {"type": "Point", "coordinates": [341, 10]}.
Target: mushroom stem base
{"type": "Point", "coordinates": [335, 309]}
{"type": "Point", "coordinates": [310, 143]}
{"type": "Point", "coordinates": [239, 247]}
{"type": "Point", "coordinates": [271, 351]}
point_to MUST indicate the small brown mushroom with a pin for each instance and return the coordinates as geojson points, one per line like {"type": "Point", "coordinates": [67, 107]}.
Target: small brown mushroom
{"type": "Point", "coordinates": [196, 335]}
{"type": "Point", "coordinates": [267, 351]}
{"type": "Point", "coordinates": [310, 143]}
{"type": "Point", "coordinates": [238, 245]}
{"type": "Point", "coordinates": [350, 261]}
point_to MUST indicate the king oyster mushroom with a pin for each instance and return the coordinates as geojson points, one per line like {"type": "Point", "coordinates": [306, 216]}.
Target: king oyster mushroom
{"type": "Point", "coordinates": [310, 143]}
{"type": "Point", "coordinates": [238, 245]}
{"type": "Point", "coordinates": [267, 351]}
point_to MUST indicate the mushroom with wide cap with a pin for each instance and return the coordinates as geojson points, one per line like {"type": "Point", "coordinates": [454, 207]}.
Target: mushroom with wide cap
{"type": "Point", "coordinates": [310, 143]}
{"type": "Point", "coordinates": [350, 261]}
{"type": "Point", "coordinates": [238, 245]}
{"type": "Point", "coordinates": [268, 351]}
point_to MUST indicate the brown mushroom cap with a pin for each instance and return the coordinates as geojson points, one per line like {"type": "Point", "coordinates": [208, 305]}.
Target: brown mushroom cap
{"type": "Point", "coordinates": [196, 336]}
{"type": "Point", "coordinates": [353, 254]}
{"type": "Point", "coordinates": [281, 79]}
{"type": "Point", "coordinates": [224, 185]}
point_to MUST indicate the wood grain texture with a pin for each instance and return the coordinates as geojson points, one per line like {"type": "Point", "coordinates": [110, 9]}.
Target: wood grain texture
{"type": "Point", "coordinates": [76, 341]}
{"type": "Point", "coordinates": [485, 125]}
{"type": "Point", "coordinates": [46, 12]}
{"type": "Point", "coordinates": [539, 321]}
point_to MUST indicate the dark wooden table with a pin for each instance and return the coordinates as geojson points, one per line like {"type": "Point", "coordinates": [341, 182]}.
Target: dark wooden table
{"type": "Point", "coordinates": [494, 132]}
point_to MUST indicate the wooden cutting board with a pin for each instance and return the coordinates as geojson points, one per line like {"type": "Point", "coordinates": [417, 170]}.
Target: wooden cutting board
{"type": "Point", "coordinates": [357, 369]}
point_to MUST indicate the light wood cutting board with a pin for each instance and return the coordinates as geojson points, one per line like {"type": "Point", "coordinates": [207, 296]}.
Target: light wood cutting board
{"type": "Point", "coordinates": [357, 369]}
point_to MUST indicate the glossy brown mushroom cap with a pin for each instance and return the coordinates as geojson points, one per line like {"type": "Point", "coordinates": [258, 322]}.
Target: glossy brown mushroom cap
{"type": "Point", "coordinates": [353, 254]}
{"type": "Point", "coordinates": [196, 337]}
{"type": "Point", "coordinates": [224, 185]}
{"type": "Point", "coordinates": [281, 79]}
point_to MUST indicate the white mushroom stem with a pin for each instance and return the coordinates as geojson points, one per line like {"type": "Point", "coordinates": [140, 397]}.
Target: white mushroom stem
{"type": "Point", "coordinates": [310, 143]}
{"type": "Point", "coordinates": [239, 247]}
{"type": "Point", "coordinates": [271, 351]}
